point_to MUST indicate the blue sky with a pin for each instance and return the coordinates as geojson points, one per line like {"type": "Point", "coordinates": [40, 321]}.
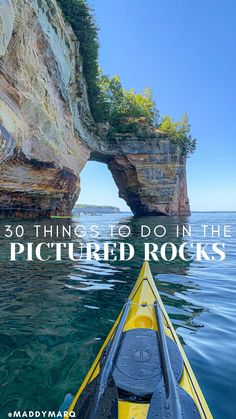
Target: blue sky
{"type": "Point", "coordinates": [185, 51]}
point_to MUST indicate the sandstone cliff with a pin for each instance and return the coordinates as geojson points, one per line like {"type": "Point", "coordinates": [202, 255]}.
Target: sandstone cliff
{"type": "Point", "coordinates": [47, 133]}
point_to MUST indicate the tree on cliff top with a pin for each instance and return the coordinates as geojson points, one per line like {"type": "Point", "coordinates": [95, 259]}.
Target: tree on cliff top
{"type": "Point", "coordinates": [125, 110]}
{"type": "Point", "coordinates": [180, 132]}
{"type": "Point", "coordinates": [120, 106]}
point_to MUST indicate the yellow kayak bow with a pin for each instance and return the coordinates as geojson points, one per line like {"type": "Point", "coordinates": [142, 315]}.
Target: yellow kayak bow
{"type": "Point", "coordinates": [141, 370]}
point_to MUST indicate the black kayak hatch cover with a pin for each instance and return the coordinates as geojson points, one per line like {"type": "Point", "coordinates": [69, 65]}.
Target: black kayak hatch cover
{"type": "Point", "coordinates": [138, 369]}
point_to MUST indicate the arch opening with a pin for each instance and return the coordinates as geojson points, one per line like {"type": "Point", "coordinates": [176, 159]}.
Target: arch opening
{"type": "Point", "coordinates": [99, 188]}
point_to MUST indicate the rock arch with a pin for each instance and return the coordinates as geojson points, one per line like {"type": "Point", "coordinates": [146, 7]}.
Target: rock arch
{"type": "Point", "coordinates": [47, 133]}
{"type": "Point", "coordinates": [149, 171]}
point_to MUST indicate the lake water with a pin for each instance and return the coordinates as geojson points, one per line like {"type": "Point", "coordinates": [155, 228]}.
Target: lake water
{"type": "Point", "coordinates": [55, 315]}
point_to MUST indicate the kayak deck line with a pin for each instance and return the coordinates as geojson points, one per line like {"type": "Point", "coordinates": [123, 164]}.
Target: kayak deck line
{"type": "Point", "coordinates": [136, 384]}
{"type": "Point", "coordinates": [97, 408]}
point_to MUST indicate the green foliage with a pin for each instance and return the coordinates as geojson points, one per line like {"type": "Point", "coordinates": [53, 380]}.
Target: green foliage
{"type": "Point", "coordinates": [123, 108]}
{"type": "Point", "coordinates": [80, 16]}
{"type": "Point", "coordinates": [180, 132]}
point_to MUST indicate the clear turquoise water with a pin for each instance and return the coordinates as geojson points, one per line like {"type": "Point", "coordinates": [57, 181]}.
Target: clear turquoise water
{"type": "Point", "coordinates": [54, 316]}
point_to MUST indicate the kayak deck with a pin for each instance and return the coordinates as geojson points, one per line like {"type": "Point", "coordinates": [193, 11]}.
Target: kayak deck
{"type": "Point", "coordinates": [137, 375]}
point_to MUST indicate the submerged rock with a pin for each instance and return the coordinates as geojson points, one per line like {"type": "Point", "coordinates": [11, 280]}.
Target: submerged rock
{"type": "Point", "coordinates": [47, 133]}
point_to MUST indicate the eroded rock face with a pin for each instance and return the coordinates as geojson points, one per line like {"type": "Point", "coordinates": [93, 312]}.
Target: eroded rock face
{"type": "Point", "coordinates": [150, 172]}
{"type": "Point", "coordinates": [47, 133]}
{"type": "Point", "coordinates": [150, 187]}
{"type": "Point", "coordinates": [43, 110]}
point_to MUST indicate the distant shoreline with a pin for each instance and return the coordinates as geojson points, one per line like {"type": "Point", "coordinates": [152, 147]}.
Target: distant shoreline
{"type": "Point", "coordinates": [95, 209]}
{"type": "Point", "coordinates": [107, 209]}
